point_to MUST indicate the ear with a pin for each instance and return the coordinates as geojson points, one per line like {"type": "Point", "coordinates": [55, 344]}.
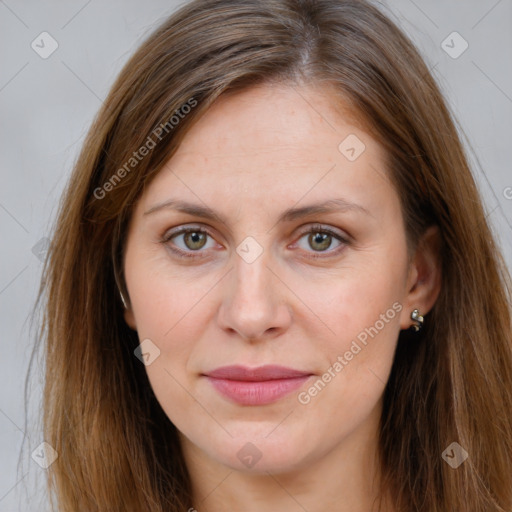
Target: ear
{"type": "Point", "coordinates": [424, 278]}
{"type": "Point", "coordinates": [129, 317]}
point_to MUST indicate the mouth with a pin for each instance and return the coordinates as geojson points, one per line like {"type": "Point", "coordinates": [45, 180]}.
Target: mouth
{"type": "Point", "coordinates": [256, 386]}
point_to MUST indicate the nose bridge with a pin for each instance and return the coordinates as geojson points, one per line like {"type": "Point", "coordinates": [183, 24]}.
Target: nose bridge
{"type": "Point", "coordinates": [251, 303]}
{"type": "Point", "coordinates": [251, 280]}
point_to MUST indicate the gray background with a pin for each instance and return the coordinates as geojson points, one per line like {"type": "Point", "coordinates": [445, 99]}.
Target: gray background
{"type": "Point", "coordinates": [48, 104]}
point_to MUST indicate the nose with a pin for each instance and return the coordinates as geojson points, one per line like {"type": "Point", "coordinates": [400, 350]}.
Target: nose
{"type": "Point", "coordinates": [255, 303]}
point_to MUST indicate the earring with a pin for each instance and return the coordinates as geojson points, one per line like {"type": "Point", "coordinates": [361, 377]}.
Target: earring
{"type": "Point", "coordinates": [122, 300]}
{"type": "Point", "coordinates": [415, 315]}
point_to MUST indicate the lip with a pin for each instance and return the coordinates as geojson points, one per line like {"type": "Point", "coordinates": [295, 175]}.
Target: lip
{"type": "Point", "coordinates": [256, 386]}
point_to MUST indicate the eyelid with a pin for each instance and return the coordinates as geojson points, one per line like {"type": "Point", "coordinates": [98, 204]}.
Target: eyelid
{"type": "Point", "coordinates": [185, 228]}
{"type": "Point", "coordinates": [315, 226]}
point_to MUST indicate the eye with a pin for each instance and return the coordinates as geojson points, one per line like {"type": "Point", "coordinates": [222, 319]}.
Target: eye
{"type": "Point", "coordinates": [187, 241]}
{"type": "Point", "coordinates": [190, 241]}
{"type": "Point", "coordinates": [320, 239]}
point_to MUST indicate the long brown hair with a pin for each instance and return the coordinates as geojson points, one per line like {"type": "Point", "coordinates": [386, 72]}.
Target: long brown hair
{"type": "Point", "coordinates": [451, 383]}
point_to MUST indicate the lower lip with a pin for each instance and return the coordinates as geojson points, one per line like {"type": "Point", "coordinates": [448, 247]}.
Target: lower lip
{"type": "Point", "coordinates": [257, 393]}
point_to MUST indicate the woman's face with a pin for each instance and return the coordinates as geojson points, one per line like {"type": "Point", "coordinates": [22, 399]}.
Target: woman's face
{"type": "Point", "coordinates": [303, 265]}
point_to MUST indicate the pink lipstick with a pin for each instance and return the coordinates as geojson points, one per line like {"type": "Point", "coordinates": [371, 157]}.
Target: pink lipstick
{"type": "Point", "coordinates": [256, 386]}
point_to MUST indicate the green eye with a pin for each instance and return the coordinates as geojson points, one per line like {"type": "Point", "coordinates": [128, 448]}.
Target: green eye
{"type": "Point", "coordinates": [188, 241]}
{"type": "Point", "coordinates": [194, 240]}
{"type": "Point", "coordinates": [319, 241]}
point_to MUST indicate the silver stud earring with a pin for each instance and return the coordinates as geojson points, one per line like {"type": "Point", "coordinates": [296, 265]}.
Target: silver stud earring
{"type": "Point", "coordinates": [415, 315]}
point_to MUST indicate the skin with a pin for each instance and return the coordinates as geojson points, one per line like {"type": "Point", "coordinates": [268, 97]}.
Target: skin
{"type": "Point", "coordinates": [253, 155]}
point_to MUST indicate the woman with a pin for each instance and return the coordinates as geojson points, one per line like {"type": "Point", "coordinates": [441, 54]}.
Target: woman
{"type": "Point", "coordinates": [272, 285]}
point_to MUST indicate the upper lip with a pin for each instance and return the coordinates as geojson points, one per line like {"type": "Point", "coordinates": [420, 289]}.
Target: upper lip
{"type": "Point", "coordinates": [258, 374]}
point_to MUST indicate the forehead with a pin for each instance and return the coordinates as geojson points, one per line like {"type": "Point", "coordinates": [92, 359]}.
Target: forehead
{"type": "Point", "coordinates": [274, 141]}
{"type": "Point", "coordinates": [272, 117]}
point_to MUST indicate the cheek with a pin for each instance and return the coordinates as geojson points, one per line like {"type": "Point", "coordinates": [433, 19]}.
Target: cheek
{"type": "Point", "coordinates": [170, 310]}
{"type": "Point", "coordinates": [361, 308]}
{"type": "Point", "coordinates": [348, 303]}
{"type": "Point", "coordinates": [164, 296]}
{"type": "Point", "coordinates": [357, 359]}
{"type": "Point", "coordinates": [173, 312]}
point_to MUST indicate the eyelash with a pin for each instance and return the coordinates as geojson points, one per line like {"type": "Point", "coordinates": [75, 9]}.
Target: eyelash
{"type": "Point", "coordinates": [317, 228]}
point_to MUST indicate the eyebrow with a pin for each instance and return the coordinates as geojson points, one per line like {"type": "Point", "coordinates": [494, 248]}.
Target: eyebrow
{"type": "Point", "coordinates": [291, 214]}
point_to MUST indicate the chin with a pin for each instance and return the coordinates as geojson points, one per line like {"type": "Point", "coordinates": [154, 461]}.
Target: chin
{"type": "Point", "coordinates": [256, 451]}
